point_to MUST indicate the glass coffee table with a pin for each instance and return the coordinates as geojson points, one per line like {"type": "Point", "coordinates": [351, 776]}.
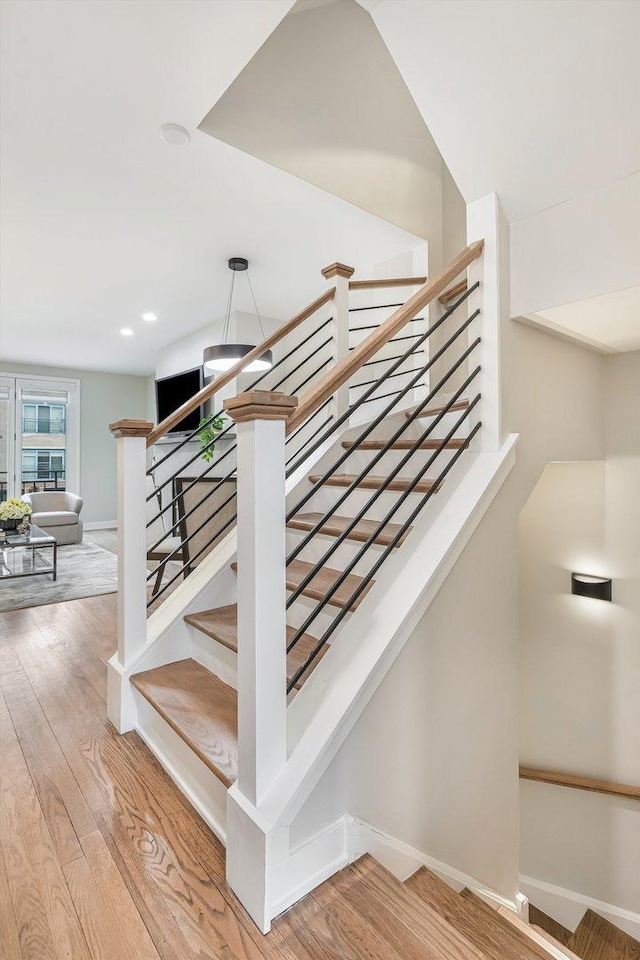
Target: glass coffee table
{"type": "Point", "coordinates": [23, 554]}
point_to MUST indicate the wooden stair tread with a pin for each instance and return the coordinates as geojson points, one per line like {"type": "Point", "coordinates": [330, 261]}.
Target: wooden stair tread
{"type": "Point", "coordinates": [318, 587]}
{"type": "Point", "coordinates": [221, 623]}
{"type": "Point", "coordinates": [597, 939]}
{"type": "Point", "coordinates": [364, 913]}
{"type": "Point", "coordinates": [490, 933]}
{"type": "Point", "coordinates": [392, 906]}
{"type": "Point", "coordinates": [429, 444]}
{"type": "Point", "coordinates": [546, 923]}
{"type": "Point", "coordinates": [201, 709]}
{"type": "Point", "coordinates": [335, 526]}
{"type": "Point", "coordinates": [373, 482]}
{"type": "Point", "coordinates": [453, 292]}
{"type": "Point", "coordinates": [434, 411]}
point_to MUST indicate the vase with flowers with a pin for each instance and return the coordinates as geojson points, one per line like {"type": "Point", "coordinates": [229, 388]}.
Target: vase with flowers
{"type": "Point", "coordinates": [14, 513]}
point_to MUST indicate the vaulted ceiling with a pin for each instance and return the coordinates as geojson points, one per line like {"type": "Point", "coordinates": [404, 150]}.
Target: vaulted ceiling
{"type": "Point", "coordinates": [536, 100]}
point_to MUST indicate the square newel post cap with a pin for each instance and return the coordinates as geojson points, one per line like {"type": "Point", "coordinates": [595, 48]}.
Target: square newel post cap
{"type": "Point", "coordinates": [131, 428]}
{"type": "Point", "coordinates": [337, 270]}
{"type": "Point", "coordinates": [260, 405]}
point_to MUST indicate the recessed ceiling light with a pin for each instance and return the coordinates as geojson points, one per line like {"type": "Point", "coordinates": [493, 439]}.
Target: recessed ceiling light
{"type": "Point", "coordinates": [149, 317]}
{"type": "Point", "coordinates": [126, 332]}
{"type": "Point", "coordinates": [174, 134]}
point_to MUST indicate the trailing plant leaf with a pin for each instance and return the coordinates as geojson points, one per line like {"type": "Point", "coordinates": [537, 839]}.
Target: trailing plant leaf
{"type": "Point", "coordinates": [209, 428]}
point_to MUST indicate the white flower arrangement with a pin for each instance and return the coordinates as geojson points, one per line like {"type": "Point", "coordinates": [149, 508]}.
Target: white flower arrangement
{"type": "Point", "coordinates": [13, 509]}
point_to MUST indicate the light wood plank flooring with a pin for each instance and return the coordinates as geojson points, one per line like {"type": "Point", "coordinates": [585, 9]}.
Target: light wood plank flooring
{"type": "Point", "coordinates": [101, 857]}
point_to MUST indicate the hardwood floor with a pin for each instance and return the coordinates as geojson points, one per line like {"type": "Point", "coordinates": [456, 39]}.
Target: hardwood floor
{"type": "Point", "coordinates": [101, 857]}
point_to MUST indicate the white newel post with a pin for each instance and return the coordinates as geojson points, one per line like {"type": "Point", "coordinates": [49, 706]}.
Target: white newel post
{"type": "Point", "coordinates": [131, 437]}
{"type": "Point", "coordinates": [485, 221]}
{"type": "Point", "coordinates": [262, 658]}
{"type": "Point", "coordinates": [260, 416]}
{"type": "Point", "coordinates": [339, 274]}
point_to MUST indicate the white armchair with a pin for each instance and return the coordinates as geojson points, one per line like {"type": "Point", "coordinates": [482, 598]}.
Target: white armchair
{"type": "Point", "coordinates": [58, 514]}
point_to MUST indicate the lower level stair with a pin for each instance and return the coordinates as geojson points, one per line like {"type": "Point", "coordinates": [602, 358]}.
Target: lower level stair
{"type": "Point", "coordinates": [549, 925]}
{"type": "Point", "coordinates": [597, 939]}
{"type": "Point", "coordinates": [364, 913]}
{"type": "Point", "coordinates": [201, 709]}
{"type": "Point", "coordinates": [493, 935]}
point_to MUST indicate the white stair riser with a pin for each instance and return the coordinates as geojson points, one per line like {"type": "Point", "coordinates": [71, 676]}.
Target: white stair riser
{"type": "Point", "coordinates": [320, 544]}
{"type": "Point", "coordinates": [324, 499]}
{"type": "Point", "coordinates": [360, 460]}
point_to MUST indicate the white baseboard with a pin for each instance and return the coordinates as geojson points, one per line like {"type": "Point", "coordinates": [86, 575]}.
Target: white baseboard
{"type": "Point", "coordinates": [309, 865]}
{"type": "Point", "coordinates": [101, 525]}
{"type": "Point", "coordinates": [402, 861]}
{"type": "Point", "coordinates": [568, 907]}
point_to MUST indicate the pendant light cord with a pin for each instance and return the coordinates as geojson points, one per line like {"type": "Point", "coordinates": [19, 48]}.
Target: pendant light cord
{"type": "Point", "coordinates": [227, 318]}
{"type": "Point", "coordinates": [253, 296]}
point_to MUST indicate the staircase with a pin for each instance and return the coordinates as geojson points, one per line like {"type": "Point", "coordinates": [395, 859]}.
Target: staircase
{"type": "Point", "coordinates": [286, 601]}
{"type": "Point", "coordinates": [364, 911]}
{"type": "Point", "coordinates": [202, 709]}
{"type": "Point", "coordinates": [593, 939]}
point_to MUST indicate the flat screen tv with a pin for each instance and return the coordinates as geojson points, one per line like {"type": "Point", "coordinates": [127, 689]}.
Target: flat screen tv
{"type": "Point", "coordinates": [172, 392]}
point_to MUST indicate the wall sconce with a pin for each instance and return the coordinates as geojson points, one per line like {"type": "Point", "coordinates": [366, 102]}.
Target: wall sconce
{"type": "Point", "coordinates": [584, 585]}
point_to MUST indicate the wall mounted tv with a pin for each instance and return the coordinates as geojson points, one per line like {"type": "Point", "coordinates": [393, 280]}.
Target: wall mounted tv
{"type": "Point", "coordinates": [172, 392]}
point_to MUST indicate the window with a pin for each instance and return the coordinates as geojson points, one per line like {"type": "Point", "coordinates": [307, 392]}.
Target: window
{"type": "Point", "coordinates": [43, 418]}
{"type": "Point", "coordinates": [39, 429]}
{"type": "Point", "coordinates": [43, 465]}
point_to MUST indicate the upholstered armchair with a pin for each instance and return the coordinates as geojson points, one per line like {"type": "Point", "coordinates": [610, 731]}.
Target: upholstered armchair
{"type": "Point", "coordinates": [58, 514]}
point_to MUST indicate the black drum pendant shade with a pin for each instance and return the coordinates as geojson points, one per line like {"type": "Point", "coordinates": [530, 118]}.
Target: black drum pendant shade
{"type": "Point", "coordinates": [222, 356]}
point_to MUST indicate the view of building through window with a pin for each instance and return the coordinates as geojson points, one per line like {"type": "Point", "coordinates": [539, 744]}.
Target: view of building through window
{"type": "Point", "coordinates": [37, 436]}
{"type": "Point", "coordinates": [43, 446]}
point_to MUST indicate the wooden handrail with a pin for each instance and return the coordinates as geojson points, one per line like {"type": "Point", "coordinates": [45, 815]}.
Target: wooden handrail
{"type": "Point", "coordinates": [453, 292]}
{"type": "Point", "coordinates": [345, 368]}
{"type": "Point", "coordinates": [389, 282]}
{"type": "Point", "coordinates": [199, 398]}
{"type": "Point", "coordinates": [592, 784]}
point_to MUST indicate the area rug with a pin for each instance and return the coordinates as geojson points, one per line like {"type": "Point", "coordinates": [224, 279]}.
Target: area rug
{"type": "Point", "coordinates": [84, 570]}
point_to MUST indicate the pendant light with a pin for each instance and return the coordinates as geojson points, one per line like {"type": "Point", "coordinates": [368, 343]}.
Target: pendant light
{"type": "Point", "coordinates": [225, 355]}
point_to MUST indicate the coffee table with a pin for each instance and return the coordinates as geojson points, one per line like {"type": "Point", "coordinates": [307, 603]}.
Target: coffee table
{"type": "Point", "coordinates": [20, 554]}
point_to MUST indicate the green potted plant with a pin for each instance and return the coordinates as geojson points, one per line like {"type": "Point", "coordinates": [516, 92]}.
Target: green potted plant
{"type": "Point", "coordinates": [209, 428]}
{"type": "Point", "coordinates": [13, 513]}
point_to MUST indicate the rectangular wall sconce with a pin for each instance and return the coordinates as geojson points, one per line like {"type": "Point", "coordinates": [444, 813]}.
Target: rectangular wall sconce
{"type": "Point", "coordinates": [584, 585]}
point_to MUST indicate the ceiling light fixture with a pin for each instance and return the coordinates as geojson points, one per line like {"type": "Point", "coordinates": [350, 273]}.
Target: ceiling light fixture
{"type": "Point", "coordinates": [149, 317]}
{"type": "Point", "coordinates": [225, 355]}
{"type": "Point", "coordinates": [584, 585]}
{"type": "Point", "coordinates": [126, 332]}
{"type": "Point", "coordinates": [174, 134]}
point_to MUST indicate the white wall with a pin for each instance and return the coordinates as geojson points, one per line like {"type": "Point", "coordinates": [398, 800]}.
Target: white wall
{"type": "Point", "coordinates": [433, 761]}
{"type": "Point", "coordinates": [324, 100]}
{"type": "Point", "coordinates": [582, 248]}
{"type": "Point", "coordinates": [580, 669]}
{"type": "Point", "coordinates": [104, 397]}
